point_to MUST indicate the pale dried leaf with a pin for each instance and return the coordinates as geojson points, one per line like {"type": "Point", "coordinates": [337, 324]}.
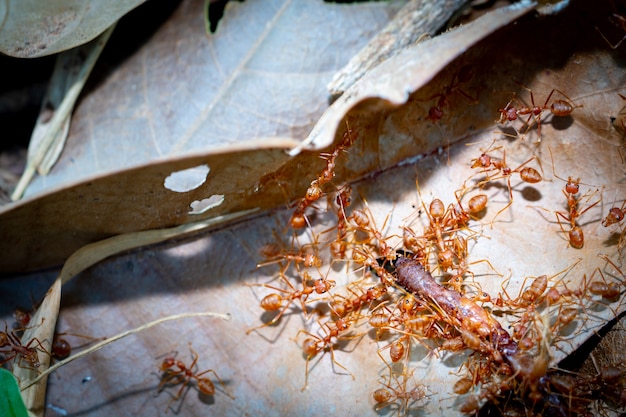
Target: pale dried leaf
{"type": "Point", "coordinates": [186, 94]}
{"type": "Point", "coordinates": [34, 28]}
{"type": "Point", "coordinates": [262, 74]}
{"type": "Point", "coordinates": [417, 20]}
{"type": "Point", "coordinates": [70, 74]}
{"type": "Point", "coordinates": [44, 322]}
{"type": "Point", "coordinates": [391, 83]}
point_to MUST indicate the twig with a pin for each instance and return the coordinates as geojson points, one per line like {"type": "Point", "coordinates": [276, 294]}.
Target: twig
{"type": "Point", "coordinates": [112, 339]}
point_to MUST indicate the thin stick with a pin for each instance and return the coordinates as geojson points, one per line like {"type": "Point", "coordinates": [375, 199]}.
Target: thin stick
{"type": "Point", "coordinates": [112, 339]}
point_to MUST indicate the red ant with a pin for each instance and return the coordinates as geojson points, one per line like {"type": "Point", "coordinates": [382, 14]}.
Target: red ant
{"type": "Point", "coordinates": [14, 348]}
{"type": "Point", "coordinates": [535, 294]}
{"type": "Point", "coordinates": [274, 301]}
{"type": "Point", "coordinates": [348, 305]}
{"type": "Point", "coordinates": [176, 372]}
{"type": "Point", "coordinates": [463, 76]}
{"type": "Point", "coordinates": [389, 395]}
{"type": "Point", "coordinates": [315, 190]}
{"type": "Point", "coordinates": [364, 221]}
{"type": "Point", "coordinates": [22, 319]}
{"type": "Point", "coordinates": [616, 215]}
{"type": "Point", "coordinates": [608, 291]}
{"type": "Point", "coordinates": [412, 320]}
{"type": "Point", "coordinates": [316, 344]}
{"type": "Point", "coordinates": [500, 170]}
{"type": "Point", "coordinates": [558, 108]}
{"type": "Point", "coordinates": [620, 21]}
{"type": "Point", "coordinates": [339, 246]}
{"type": "Point", "coordinates": [443, 225]}
{"type": "Point", "coordinates": [308, 259]}
{"type": "Point", "coordinates": [570, 190]}
{"type": "Point", "coordinates": [564, 317]}
{"type": "Point", "coordinates": [61, 348]}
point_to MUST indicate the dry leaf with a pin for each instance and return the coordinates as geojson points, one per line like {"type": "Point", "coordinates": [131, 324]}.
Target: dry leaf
{"type": "Point", "coordinates": [71, 71]}
{"type": "Point", "coordinates": [186, 94]}
{"type": "Point", "coordinates": [34, 28]}
{"type": "Point", "coordinates": [417, 20]}
{"type": "Point", "coordinates": [34, 382]}
{"type": "Point", "coordinates": [262, 74]}
{"type": "Point", "coordinates": [265, 371]}
{"type": "Point", "coordinates": [133, 200]}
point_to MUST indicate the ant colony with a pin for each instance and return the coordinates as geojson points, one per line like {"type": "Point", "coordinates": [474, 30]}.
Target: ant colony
{"type": "Point", "coordinates": [496, 263]}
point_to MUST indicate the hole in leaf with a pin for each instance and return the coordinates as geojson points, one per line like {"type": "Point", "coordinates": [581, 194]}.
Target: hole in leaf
{"type": "Point", "coordinates": [214, 10]}
{"type": "Point", "coordinates": [202, 206]}
{"type": "Point", "coordinates": [187, 179]}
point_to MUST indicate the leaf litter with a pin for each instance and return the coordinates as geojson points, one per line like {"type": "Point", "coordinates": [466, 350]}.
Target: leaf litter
{"type": "Point", "coordinates": [392, 198]}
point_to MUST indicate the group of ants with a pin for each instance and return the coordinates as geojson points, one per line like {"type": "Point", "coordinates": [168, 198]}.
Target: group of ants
{"type": "Point", "coordinates": [395, 296]}
{"type": "Point", "coordinates": [174, 371]}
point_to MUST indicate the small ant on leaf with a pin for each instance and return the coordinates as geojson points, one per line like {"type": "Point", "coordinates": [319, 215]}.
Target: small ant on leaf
{"type": "Point", "coordinates": [176, 372]}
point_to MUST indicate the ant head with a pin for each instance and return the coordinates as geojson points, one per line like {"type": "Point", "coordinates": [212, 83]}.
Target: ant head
{"type": "Point", "coordinates": [344, 198]}
{"type": "Point", "coordinates": [21, 317]}
{"type": "Point", "coordinates": [32, 358]}
{"type": "Point", "coordinates": [572, 185]}
{"type": "Point", "coordinates": [435, 113]}
{"type": "Point", "coordinates": [408, 304]}
{"type": "Point", "coordinates": [617, 214]}
{"type": "Point", "coordinates": [168, 363]}
{"type": "Point", "coordinates": [482, 162]}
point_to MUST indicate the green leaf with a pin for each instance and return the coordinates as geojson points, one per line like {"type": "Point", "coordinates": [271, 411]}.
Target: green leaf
{"type": "Point", "coordinates": [11, 404]}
